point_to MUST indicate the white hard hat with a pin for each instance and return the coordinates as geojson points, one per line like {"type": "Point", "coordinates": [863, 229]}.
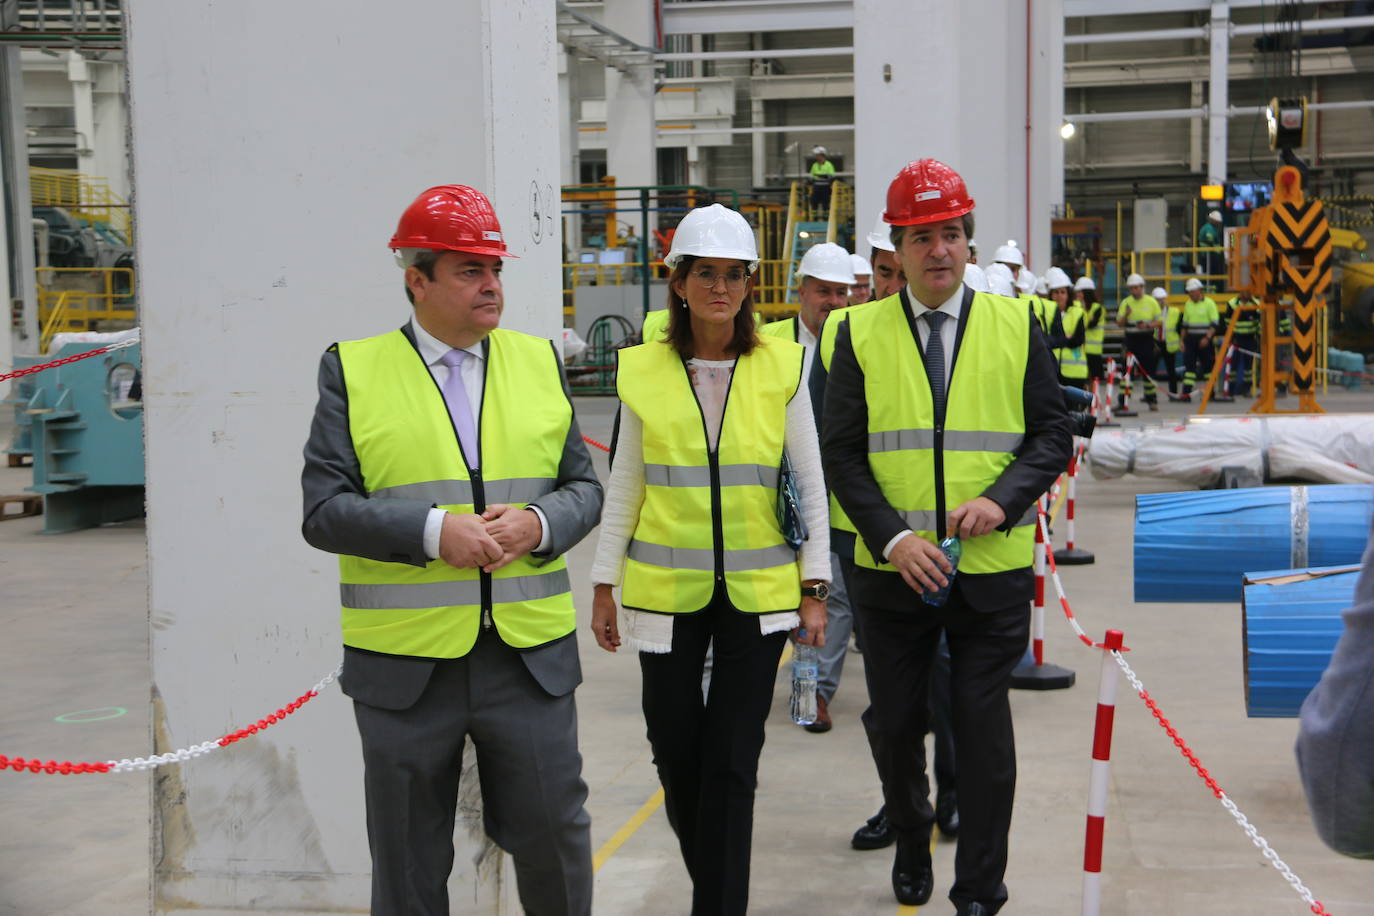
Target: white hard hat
{"type": "Point", "coordinates": [975, 279]}
{"type": "Point", "coordinates": [1025, 280]}
{"type": "Point", "coordinates": [1057, 279]}
{"type": "Point", "coordinates": [714, 232]}
{"type": "Point", "coordinates": [1010, 254]}
{"type": "Point", "coordinates": [1159, 293]}
{"type": "Point", "coordinates": [827, 261]}
{"type": "Point", "coordinates": [1085, 283]}
{"type": "Point", "coordinates": [819, 151]}
{"type": "Point", "coordinates": [1135, 280]}
{"type": "Point", "coordinates": [881, 236]}
{"type": "Point", "coordinates": [999, 279]}
{"type": "Point", "coordinates": [859, 264]}
{"type": "Point", "coordinates": [1215, 216]}
{"type": "Point", "coordinates": [1042, 287]}
{"type": "Point", "coordinates": [1192, 284]}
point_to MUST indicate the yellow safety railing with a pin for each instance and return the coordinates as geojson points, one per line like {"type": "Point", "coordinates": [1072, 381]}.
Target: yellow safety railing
{"type": "Point", "coordinates": [1157, 266]}
{"type": "Point", "coordinates": [79, 298]}
{"type": "Point", "coordinates": [84, 196]}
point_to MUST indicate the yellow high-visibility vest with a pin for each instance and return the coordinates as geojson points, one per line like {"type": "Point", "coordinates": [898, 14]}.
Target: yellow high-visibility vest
{"type": "Point", "coordinates": [1073, 361]}
{"type": "Point", "coordinates": [407, 448]}
{"type": "Point", "coordinates": [825, 348]}
{"type": "Point", "coordinates": [710, 518]}
{"type": "Point", "coordinates": [785, 329]}
{"type": "Point", "coordinates": [984, 423]}
{"type": "Point", "coordinates": [1094, 337]}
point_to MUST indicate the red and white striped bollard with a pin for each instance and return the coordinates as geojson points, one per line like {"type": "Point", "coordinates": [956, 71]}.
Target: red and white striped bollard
{"type": "Point", "coordinates": [1072, 554]}
{"type": "Point", "coordinates": [1101, 773]}
{"type": "Point", "coordinates": [1037, 675]}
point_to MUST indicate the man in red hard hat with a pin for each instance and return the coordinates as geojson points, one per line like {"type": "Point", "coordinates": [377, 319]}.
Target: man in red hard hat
{"type": "Point", "coordinates": [943, 423]}
{"type": "Point", "coordinates": [446, 470]}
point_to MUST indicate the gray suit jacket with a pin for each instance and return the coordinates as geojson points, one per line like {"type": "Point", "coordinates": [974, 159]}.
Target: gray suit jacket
{"type": "Point", "coordinates": [339, 518]}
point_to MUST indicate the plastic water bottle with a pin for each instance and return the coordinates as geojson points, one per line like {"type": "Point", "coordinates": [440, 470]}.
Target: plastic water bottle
{"type": "Point", "coordinates": [804, 670]}
{"type": "Point", "coordinates": [952, 551]}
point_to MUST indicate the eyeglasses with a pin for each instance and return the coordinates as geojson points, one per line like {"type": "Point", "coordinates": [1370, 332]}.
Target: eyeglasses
{"type": "Point", "coordinates": [734, 279]}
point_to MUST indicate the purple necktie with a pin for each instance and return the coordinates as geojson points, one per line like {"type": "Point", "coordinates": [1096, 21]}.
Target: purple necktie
{"type": "Point", "coordinates": [459, 407]}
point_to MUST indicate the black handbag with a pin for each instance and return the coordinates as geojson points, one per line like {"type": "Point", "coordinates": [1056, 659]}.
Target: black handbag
{"type": "Point", "coordinates": [789, 506]}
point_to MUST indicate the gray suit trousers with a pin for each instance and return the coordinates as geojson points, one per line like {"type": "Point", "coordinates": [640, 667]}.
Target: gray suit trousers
{"type": "Point", "coordinates": [530, 771]}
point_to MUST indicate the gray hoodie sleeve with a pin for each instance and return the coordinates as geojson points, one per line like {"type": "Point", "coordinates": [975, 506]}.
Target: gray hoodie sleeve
{"type": "Point", "coordinates": [1336, 735]}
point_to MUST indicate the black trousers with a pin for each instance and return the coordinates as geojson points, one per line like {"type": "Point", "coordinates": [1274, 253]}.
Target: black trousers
{"type": "Point", "coordinates": [1197, 361]}
{"type": "Point", "coordinates": [902, 636]}
{"type": "Point", "coordinates": [1097, 366]}
{"type": "Point", "coordinates": [1170, 365]}
{"type": "Point", "coordinates": [707, 754]}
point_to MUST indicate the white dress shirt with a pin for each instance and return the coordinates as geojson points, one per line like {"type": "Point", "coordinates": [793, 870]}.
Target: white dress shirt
{"type": "Point", "coordinates": [474, 369]}
{"type": "Point", "coordinates": [949, 333]}
{"type": "Point", "coordinates": [809, 341]}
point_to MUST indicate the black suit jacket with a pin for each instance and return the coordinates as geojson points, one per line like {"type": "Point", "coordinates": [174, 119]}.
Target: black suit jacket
{"type": "Point", "coordinates": [1043, 454]}
{"type": "Point", "coordinates": [340, 518]}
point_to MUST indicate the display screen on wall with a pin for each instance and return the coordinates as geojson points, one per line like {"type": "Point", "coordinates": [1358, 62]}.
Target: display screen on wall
{"type": "Point", "coordinates": [1247, 195]}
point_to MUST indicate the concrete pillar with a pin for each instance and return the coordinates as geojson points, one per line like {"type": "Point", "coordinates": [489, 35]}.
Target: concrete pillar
{"type": "Point", "coordinates": [83, 111]}
{"type": "Point", "coordinates": [110, 140]}
{"type": "Point", "coordinates": [631, 132]}
{"type": "Point", "coordinates": [17, 281]}
{"type": "Point", "coordinates": [1046, 118]}
{"type": "Point", "coordinates": [959, 97]}
{"type": "Point", "coordinates": [760, 143]}
{"type": "Point", "coordinates": [1195, 126]}
{"type": "Point", "coordinates": [291, 180]}
{"type": "Point", "coordinates": [1218, 98]}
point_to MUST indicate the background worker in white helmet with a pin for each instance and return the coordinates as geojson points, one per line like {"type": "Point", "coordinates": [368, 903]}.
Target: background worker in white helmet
{"type": "Point", "coordinates": [862, 290]}
{"type": "Point", "coordinates": [824, 279]}
{"type": "Point", "coordinates": [1199, 325]}
{"type": "Point", "coordinates": [1095, 318]}
{"type": "Point", "coordinates": [822, 177]}
{"type": "Point", "coordinates": [1001, 281]}
{"type": "Point", "coordinates": [1140, 315]}
{"type": "Point", "coordinates": [887, 273]}
{"type": "Point", "coordinates": [1011, 256]}
{"type": "Point", "coordinates": [1167, 338]}
{"type": "Point", "coordinates": [1067, 347]}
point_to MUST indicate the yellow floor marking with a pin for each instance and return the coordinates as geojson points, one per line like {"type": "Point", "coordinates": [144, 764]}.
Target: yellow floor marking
{"type": "Point", "coordinates": [646, 810]}
{"type": "Point", "coordinates": [627, 831]}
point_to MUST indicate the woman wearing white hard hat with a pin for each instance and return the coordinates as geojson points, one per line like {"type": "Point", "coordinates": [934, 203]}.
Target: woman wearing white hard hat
{"type": "Point", "coordinates": [1167, 338]}
{"type": "Point", "coordinates": [862, 290]}
{"type": "Point", "coordinates": [1140, 316]}
{"type": "Point", "coordinates": [1095, 321]}
{"type": "Point", "coordinates": [1067, 346]}
{"type": "Point", "coordinates": [690, 533]}
{"type": "Point", "coordinates": [887, 273]}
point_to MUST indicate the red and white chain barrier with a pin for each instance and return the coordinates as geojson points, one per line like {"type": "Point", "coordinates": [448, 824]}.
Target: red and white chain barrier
{"type": "Point", "coordinates": [1099, 778]}
{"type": "Point", "coordinates": [98, 351]}
{"type": "Point", "coordinates": [181, 755]}
{"type": "Point", "coordinates": [590, 441]}
{"type": "Point", "coordinates": [1242, 821]}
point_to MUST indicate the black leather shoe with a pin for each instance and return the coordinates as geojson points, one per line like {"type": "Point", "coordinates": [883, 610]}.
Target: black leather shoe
{"type": "Point", "coordinates": [947, 813]}
{"type": "Point", "coordinates": [912, 877]}
{"type": "Point", "coordinates": [877, 833]}
{"type": "Point", "coordinates": [973, 909]}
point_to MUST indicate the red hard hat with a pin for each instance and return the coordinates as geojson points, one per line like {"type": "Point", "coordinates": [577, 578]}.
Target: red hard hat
{"type": "Point", "coordinates": [926, 191]}
{"type": "Point", "coordinates": [451, 217]}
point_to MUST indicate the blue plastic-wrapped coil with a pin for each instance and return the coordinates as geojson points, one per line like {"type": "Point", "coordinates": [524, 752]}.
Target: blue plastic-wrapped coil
{"type": "Point", "coordinates": [1196, 546]}
{"type": "Point", "coordinates": [1290, 623]}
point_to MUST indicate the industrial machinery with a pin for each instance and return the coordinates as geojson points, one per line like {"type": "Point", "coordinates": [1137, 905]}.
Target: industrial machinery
{"type": "Point", "coordinates": [83, 423]}
{"type": "Point", "coordinates": [1283, 259]}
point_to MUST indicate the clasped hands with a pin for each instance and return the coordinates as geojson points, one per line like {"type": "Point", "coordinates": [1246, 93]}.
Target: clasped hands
{"type": "Point", "coordinates": [923, 565]}
{"type": "Point", "coordinates": [499, 536]}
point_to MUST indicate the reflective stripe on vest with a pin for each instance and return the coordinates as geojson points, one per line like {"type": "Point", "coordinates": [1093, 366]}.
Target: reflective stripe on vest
{"type": "Point", "coordinates": [701, 507]}
{"type": "Point", "coordinates": [407, 449]}
{"type": "Point", "coordinates": [984, 423]}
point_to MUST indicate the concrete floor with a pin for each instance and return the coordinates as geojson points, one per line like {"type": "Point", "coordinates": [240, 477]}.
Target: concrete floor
{"type": "Point", "coordinates": [76, 845]}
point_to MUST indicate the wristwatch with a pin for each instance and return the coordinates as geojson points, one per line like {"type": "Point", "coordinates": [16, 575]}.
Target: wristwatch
{"type": "Point", "coordinates": [819, 591]}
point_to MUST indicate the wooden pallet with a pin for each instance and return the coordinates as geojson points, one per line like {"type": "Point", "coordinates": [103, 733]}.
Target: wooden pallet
{"type": "Point", "coordinates": [29, 504]}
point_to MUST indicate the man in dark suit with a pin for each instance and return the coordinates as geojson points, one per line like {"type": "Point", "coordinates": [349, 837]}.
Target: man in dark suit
{"type": "Point", "coordinates": [446, 469]}
{"type": "Point", "coordinates": [942, 418]}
